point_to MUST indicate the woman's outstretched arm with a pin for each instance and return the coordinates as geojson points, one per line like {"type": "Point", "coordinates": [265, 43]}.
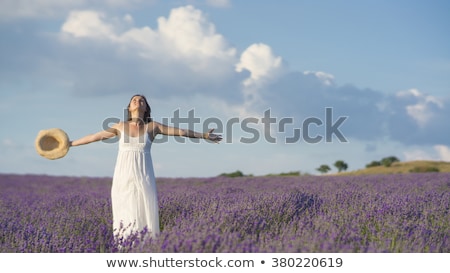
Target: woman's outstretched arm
{"type": "Point", "coordinates": [108, 133]}
{"type": "Point", "coordinates": [173, 131]}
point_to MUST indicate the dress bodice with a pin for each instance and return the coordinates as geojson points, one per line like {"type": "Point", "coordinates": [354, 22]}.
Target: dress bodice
{"type": "Point", "coordinates": [140, 143]}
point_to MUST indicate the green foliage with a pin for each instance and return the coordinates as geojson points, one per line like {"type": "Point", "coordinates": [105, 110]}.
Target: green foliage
{"type": "Point", "coordinates": [387, 161]}
{"type": "Point", "coordinates": [341, 165]}
{"type": "Point", "coordinates": [233, 174]}
{"type": "Point", "coordinates": [424, 169]}
{"type": "Point", "coordinates": [324, 168]}
{"type": "Point", "coordinates": [290, 174]}
{"type": "Point", "coordinates": [296, 173]}
{"type": "Point", "coordinates": [373, 164]}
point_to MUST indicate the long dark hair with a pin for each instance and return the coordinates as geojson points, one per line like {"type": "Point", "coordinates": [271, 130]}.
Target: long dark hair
{"type": "Point", "coordinates": [147, 113]}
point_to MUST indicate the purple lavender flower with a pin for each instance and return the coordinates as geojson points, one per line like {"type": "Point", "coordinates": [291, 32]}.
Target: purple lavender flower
{"type": "Point", "coordinates": [377, 213]}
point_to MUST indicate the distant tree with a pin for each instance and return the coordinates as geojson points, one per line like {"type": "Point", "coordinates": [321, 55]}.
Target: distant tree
{"type": "Point", "coordinates": [233, 174]}
{"type": "Point", "coordinates": [324, 168]}
{"type": "Point", "coordinates": [293, 173]}
{"type": "Point", "coordinates": [373, 164]}
{"type": "Point", "coordinates": [341, 165]}
{"type": "Point", "coordinates": [387, 161]}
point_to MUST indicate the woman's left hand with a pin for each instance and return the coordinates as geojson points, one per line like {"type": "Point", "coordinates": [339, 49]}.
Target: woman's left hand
{"type": "Point", "coordinates": [213, 137]}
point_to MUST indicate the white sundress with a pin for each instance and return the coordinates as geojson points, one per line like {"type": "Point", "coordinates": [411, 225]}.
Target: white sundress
{"type": "Point", "coordinates": [133, 194]}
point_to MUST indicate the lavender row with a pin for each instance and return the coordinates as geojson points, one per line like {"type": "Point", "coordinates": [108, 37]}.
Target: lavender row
{"type": "Point", "coordinates": [385, 213]}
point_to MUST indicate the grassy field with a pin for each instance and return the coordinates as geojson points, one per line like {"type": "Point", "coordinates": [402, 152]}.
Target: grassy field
{"type": "Point", "coordinates": [404, 167]}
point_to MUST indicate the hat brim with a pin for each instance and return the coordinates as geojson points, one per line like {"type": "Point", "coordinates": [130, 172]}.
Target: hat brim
{"type": "Point", "coordinates": [52, 143]}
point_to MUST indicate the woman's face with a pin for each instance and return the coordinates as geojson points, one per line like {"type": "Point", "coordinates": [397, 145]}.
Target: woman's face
{"type": "Point", "coordinates": [137, 102]}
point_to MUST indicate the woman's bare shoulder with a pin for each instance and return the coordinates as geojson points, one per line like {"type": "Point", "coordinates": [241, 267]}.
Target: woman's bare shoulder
{"type": "Point", "coordinates": [118, 126]}
{"type": "Point", "coordinates": [154, 127]}
{"type": "Point", "coordinates": [153, 123]}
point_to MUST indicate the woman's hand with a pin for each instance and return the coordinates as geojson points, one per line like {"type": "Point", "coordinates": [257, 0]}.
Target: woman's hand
{"type": "Point", "coordinates": [212, 137]}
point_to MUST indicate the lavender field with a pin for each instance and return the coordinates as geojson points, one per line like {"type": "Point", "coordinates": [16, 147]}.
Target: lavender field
{"type": "Point", "coordinates": [378, 213]}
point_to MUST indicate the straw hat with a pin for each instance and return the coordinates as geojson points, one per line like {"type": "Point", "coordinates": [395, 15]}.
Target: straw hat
{"type": "Point", "coordinates": [52, 143]}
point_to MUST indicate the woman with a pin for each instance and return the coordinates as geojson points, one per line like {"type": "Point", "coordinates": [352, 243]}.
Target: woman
{"type": "Point", "coordinates": [133, 193]}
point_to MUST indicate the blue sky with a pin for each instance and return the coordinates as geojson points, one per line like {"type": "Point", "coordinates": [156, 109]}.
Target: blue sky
{"type": "Point", "coordinates": [384, 65]}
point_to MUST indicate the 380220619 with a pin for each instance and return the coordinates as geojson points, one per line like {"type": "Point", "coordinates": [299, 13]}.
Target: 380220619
{"type": "Point", "coordinates": [307, 262]}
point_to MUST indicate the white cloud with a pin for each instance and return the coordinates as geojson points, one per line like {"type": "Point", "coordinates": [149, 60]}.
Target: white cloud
{"type": "Point", "coordinates": [262, 64]}
{"type": "Point", "coordinates": [185, 36]}
{"type": "Point", "coordinates": [325, 78]}
{"type": "Point", "coordinates": [128, 19]}
{"type": "Point", "coordinates": [435, 153]}
{"type": "Point", "coordinates": [423, 108]}
{"type": "Point", "coordinates": [263, 67]}
{"type": "Point", "coordinates": [183, 54]}
{"type": "Point", "coordinates": [189, 34]}
{"type": "Point", "coordinates": [419, 112]}
{"type": "Point", "coordinates": [410, 92]}
{"type": "Point", "coordinates": [443, 151]}
{"type": "Point", "coordinates": [88, 23]}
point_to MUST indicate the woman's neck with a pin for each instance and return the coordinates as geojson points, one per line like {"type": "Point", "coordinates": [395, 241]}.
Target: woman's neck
{"type": "Point", "coordinates": [137, 118]}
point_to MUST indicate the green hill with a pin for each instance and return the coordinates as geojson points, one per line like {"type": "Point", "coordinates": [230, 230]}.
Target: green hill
{"type": "Point", "coordinates": [404, 167]}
